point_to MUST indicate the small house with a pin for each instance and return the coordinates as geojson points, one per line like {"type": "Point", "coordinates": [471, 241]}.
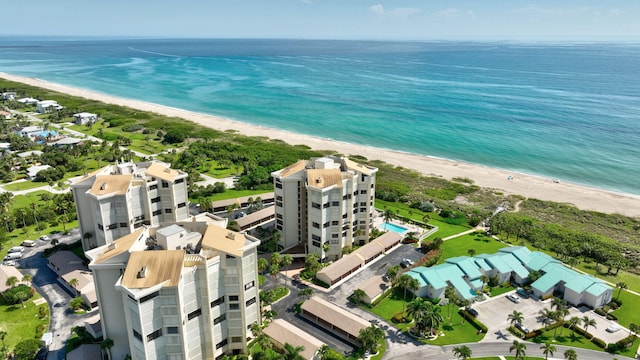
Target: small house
{"type": "Point", "coordinates": [84, 118]}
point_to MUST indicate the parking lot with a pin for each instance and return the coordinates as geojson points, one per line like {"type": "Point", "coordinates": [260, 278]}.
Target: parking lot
{"type": "Point", "coordinates": [494, 312]}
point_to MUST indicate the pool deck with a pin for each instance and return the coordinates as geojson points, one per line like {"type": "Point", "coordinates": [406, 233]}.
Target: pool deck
{"type": "Point", "coordinates": [378, 222]}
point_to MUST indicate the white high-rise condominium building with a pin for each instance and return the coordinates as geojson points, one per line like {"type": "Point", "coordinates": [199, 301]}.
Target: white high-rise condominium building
{"type": "Point", "coordinates": [117, 199]}
{"type": "Point", "coordinates": [184, 291]}
{"type": "Point", "coordinates": [326, 202]}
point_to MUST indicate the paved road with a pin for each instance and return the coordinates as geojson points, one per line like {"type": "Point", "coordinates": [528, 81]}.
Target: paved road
{"type": "Point", "coordinates": [44, 281]}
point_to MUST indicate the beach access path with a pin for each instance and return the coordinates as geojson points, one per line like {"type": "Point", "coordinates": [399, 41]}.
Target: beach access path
{"type": "Point", "coordinates": [508, 182]}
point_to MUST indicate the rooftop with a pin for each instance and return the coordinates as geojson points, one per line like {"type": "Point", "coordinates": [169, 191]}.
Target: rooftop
{"type": "Point", "coordinates": [110, 184]}
{"type": "Point", "coordinates": [335, 315]}
{"type": "Point", "coordinates": [284, 332]}
{"type": "Point", "coordinates": [162, 172]}
{"type": "Point", "coordinates": [227, 241]}
{"type": "Point", "coordinates": [119, 246]}
{"type": "Point", "coordinates": [150, 268]}
{"type": "Point", "coordinates": [324, 178]}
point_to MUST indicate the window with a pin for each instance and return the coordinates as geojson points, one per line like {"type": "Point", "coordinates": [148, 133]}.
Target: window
{"type": "Point", "coordinates": [363, 192]}
{"type": "Point", "coordinates": [279, 203]}
{"type": "Point", "coordinates": [334, 236]}
{"type": "Point", "coordinates": [165, 184]}
{"type": "Point", "coordinates": [153, 187]}
{"type": "Point", "coordinates": [325, 225]}
{"type": "Point", "coordinates": [219, 319]}
{"type": "Point", "coordinates": [278, 185]}
{"type": "Point", "coordinates": [172, 330]}
{"type": "Point", "coordinates": [316, 225]}
{"type": "Point", "coordinates": [278, 197]}
{"type": "Point", "coordinates": [112, 226]}
{"type": "Point", "coordinates": [124, 224]}
{"type": "Point", "coordinates": [149, 297]}
{"type": "Point", "coordinates": [100, 227]}
{"type": "Point", "coordinates": [344, 216]}
{"type": "Point", "coordinates": [234, 307]}
{"type": "Point", "coordinates": [217, 301]}
{"type": "Point", "coordinates": [157, 212]}
{"type": "Point", "coordinates": [233, 297]}
{"type": "Point", "coordinates": [251, 301]}
{"type": "Point", "coordinates": [335, 223]}
{"type": "Point", "coordinates": [363, 204]}
{"type": "Point", "coordinates": [236, 339]}
{"type": "Point", "coordinates": [181, 205]}
{"type": "Point", "coordinates": [154, 335]}
{"type": "Point", "coordinates": [137, 335]}
{"type": "Point", "coordinates": [279, 227]}
{"type": "Point", "coordinates": [335, 241]}
{"type": "Point", "coordinates": [194, 314]}
{"type": "Point", "coordinates": [249, 285]}
{"type": "Point", "coordinates": [179, 181]}
{"type": "Point", "coordinates": [315, 237]}
{"type": "Point", "coordinates": [279, 216]}
{"type": "Point", "coordinates": [221, 344]}
{"type": "Point", "coordinates": [335, 203]}
{"type": "Point", "coordinates": [155, 200]}
{"type": "Point", "coordinates": [315, 205]}
{"type": "Point", "coordinates": [325, 205]}
{"type": "Point", "coordinates": [168, 211]}
{"type": "Point", "coordinates": [279, 222]}
{"type": "Point", "coordinates": [316, 243]}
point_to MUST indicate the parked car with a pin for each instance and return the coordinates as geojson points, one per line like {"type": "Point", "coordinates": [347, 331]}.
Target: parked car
{"type": "Point", "coordinates": [13, 256]}
{"type": "Point", "coordinates": [613, 328]}
{"type": "Point", "coordinates": [405, 263]}
{"type": "Point", "coordinates": [29, 243]}
{"type": "Point", "coordinates": [9, 263]}
{"type": "Point", "coordinates": [522, 293]}
{"type": "Point", "coordinates": [523, 328]}
{"type": "Point", "coordinates": [16, 249]}
{"type": "Point", "coordinates": [514, 298]}
{"type": "Point", "coordinates": [473, 312]}
{"type": "Point", "coordinates": [45, 238]}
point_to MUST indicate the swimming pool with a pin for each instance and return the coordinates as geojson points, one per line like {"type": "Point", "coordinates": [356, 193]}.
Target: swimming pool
{"type": "Point", "coordinates": [393, 227]}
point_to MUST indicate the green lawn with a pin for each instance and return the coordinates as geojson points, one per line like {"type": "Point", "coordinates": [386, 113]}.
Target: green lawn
{"type": "Point", "coordinates": [565, 338]}
{"type": "Point", "coordinates": [26, 200]}
{"type": "Point", "coordinates": [22, 324]}
{"type": "Point", "coordinates": [498, 290]}
{"type": "Point", "coordinates": [460, 246]}
{"type": "Point", "coordinates": [628, 313]}
{"type": "Point", "coordinates": [456, 331]}
{"type": "Point", "coordinates": [232, 194]}
{"type": "Point", "coordinates": [24, 185]}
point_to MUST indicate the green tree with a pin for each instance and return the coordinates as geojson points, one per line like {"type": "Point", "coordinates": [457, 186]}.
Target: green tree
{"type": "Point", "coordinates": [306, 292]}
{"type": "Point", "coordinates": [11, 281]}
{"type": "Point", "coordinates": [291, 352]}
{"type": "Point", "coordinates": [286, 260]}
{"type": "Point", "coordinates": [407, 282]}
{"type": "Point", "coordinates": [105, 347]}
{"type": "Point", "coordinates": [462, 352]}
{"type": "Point", "coordinates": [74, 283]}
{"type": "Point", "coordinates": [621, 286]}
{"type": "Point", "coordinates": [548, 316]}
{"type": "Point", "coordinates": [548, 349]}
{"type": "Point", "coordinates": [358, 296]}
{"type": "Point", "coordinates": [76, 303]}
{"type": "Point", "coordinates": [388, 215]}
{"type": "Point", "coordinates": [573, 322]}
{"type": "Point", "coordinates": [26, 349]}
{"type": "Point", "coordinates": [515, 317]}
{"type": "Point", "coordinates": [634, 328]}
{"type": "Point", "coordinates": [587, 321]}
{"type": "Point", "coordinates": [3, 335]}
{"type": "Point", "coordinates": [26, 278]}
{"type": "Point", "coordinates": [370, 337]}
{"type": "Point", "coordinates": [471, 252]}
{"type": "Point", "coordinates": [519, 348]}
{"type": "Point", "coordinates": [571, 355]}
{"type": "Point", "coordinates": [263, 264]}
{"type": "Point", "coordinates": [392, 274]}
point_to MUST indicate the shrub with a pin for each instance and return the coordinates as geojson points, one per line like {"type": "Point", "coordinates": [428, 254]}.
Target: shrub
{"type": "Point", "coordinates": [599, 342]}
{"type": "Point", "coordinates": [532, 334]}
{"type": "Point", "coordinates": [473, 321]}
{"type": "Point", "coordinates": [400, 318]}
{"type": "Point", "coordinates": [582, 332]}
{"type": "Point", "coordinates": [626, 342]}
{"type": "Point", "coordinates": [612, 317]}
{"type": "Point", "coordinates": [380, 298]}
{"type": "Point", "coordinates": [133, 128]}
{"type": "Point", "coordinates": [600, 312]}
{"type": "Point", "coordinates": [18, 294]}
{"type": "Point", "coordinates": [555, 325]}
{"type": "Point", "coordinates": [616, 302]}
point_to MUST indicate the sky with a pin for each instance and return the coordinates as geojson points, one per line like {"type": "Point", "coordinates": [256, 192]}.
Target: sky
{"type": "Point", "coordinates": [553, 20]}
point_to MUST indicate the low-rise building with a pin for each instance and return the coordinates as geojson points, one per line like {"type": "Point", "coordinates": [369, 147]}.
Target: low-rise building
{"type": "Point", "coordinates": [48, 106]}
{"type": "Point", "coordinates": [73, 275]}
{"type": "Point", "coordinates": [282, 332]}
{"type": "Point", "coordinates": [9, 95]}
{"type": "Point", "coordinates": [84, 118]}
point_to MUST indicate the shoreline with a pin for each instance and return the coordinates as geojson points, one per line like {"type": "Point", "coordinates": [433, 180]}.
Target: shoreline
{"type": "Point", "coordinates": [509, 182]}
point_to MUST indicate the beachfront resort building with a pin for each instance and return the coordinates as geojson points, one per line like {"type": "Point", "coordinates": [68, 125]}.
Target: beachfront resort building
{"type": "Point", "coordinates": [117, 199]}
{"type": "Point", "coordinates": [325, 203]}
{"type": "Point", "coordinates": [512, 264]}
{"type": "Point", "coordinates": [188, 290]}
{"type": "Point", "coordinates": [48, 106]}
{"type": "Point", "coordinates": [84, 118]}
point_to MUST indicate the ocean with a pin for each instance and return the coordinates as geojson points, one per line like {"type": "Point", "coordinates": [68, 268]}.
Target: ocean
{"type": "Point", "coordinates": [564, 111]}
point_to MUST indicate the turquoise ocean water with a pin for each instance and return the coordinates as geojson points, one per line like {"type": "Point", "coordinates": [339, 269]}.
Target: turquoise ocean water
{"type": "Point", "coordinates": [564, 111]}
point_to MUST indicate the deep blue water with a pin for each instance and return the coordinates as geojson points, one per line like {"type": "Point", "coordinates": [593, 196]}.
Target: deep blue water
{"type": "Point", "coordinates": [565, 111]}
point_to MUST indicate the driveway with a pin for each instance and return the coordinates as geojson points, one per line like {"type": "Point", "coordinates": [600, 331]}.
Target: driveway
{"type": "Point", "coordinates": [493, 312]}
{"type": "Point", "coordinates": [44, 281]}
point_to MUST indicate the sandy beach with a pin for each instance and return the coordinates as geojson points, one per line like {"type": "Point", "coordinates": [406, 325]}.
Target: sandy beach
{"type": "Point", "coordinates": [507, 181]}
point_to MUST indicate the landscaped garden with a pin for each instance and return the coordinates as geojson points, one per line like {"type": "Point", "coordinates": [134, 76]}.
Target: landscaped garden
{"type": "Point", "coordinates": [21, 323]}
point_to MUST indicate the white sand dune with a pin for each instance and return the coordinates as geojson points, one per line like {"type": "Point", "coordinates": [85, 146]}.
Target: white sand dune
{"type": "Point", "coordinates": [506, 181]}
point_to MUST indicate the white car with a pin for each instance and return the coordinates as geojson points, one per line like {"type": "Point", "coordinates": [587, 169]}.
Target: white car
{"type": "Point", "coordinates": [9, 263]}
{"type": "Point", "coordinates": [16, 249]}
{"type": "Point", "coordinates": [514, 298]}
{"type": "Point", "coordinates": [613, 328]}
{"type": "Point", "coordinates": [45, 238]}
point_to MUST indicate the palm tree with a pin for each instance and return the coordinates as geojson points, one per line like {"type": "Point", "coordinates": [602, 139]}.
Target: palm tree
{"type": "Point", "coordinates": [573, 322]}
{"type": "Point", "coordinates": [292, 352]}
{"type": "Point", "coordinates": [34, 208]}
{"type": "Point", "coordinates": [548, 316]}
{"type": "Point", "coordinates": [519, 348]}
{"type": "Point", "coordinates": [276, 259]}
{"type": "Point", "coordinates": [323, 351]}
{"type": "Point", "coordinates": [462, 352]}
{"type": "Point", "coordinates": [358, 296]}
{"type": "Point", "coordinates": [392, 274]}
{"type": "Point", "coordinates": [558, 303]}
{"type": "Point", "coordinates": [273, 271]}
{"type": "Point", "coordinates": [263, 264]}
{"type": "Point", "coordinates": [26, 278]}
{"type": "Point", "coordinates": [485, 280]}
{"type": "Point", "coordinates": [548, 349]}
{"type": "Point", "coordinates": [306, 292]}
{"type": "Point", "coordinates": [634, 328]}
{"type": "Point", "coordinates": [587, 321]}
{"type": "Point", "coordinates": [74, 282]}
{"type": "Point", "coordinates": [388, 215]}
{"type": "Point", "coordinates": [432, 319]}
{"type": "Point", "coordinates": [471, 252]}
{"type": "Point", "coordinates": [571, 355]}
{"type": "Point", "coordinates": [76, 303]}
{"type": "Point", "coordinates": [621, 286]}
{"type": "Point", "coordinates": [407, 283]}
{"type": "Point", "coordinates": [106, 344]}
{"type": "Point", "coordinates": [11, 281]}
{"type": "Point", "coordinates": [286, 260]}
{"type": "Point", "coordinates": [370, 337]}
{"type": "Point", "coordinates": [515, 317]}
{"type": "Point", "coordinates": [418, 309]}
{"type": "Point", "coordinates": [255, 329]}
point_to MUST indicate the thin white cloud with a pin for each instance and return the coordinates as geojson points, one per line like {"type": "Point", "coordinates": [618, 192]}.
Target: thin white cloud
{"type": "Point", "coordinates": [454, 13]}
{"type": "Point", "coordinates": [377, 9]}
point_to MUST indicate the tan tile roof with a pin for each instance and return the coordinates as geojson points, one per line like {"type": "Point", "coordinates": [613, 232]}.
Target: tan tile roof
{"type": "Point", "coordinates": [335, 315]}
{"type": "Point", "coordinates": [369, 251]}
{"type": "Point", "coordinates": [240, 200]}
{"type": "Point", "coordinates": [340, 267]}
{"type": "Point", "coordinates": [283, 332]}
{"type": "Point", "coordinates": [365, 169]}
{"type": "Point", "coordinates": [162, 172]}
{"type": "Point", "coordinates": [293, 168]}
{"type": "Point", "coordinates": [65, 261]}
{"type": "Point", "coordinates": [7, 272]}
{"type": "Point", "coordinates": [387, 239]}
{"type": "Point", "coordinates": [221, 239]}
{"type": "Point", "coordinates": [119, 246]}
{"type": "Point", "coordinates": [256, 216]}
{"type": "Point", "coordinates": [160, 265]}
{"type": "Point", "coordinates": [110, 184]}
{"type": "Point", "coordinates": [323, 178]}
{"type": "Point", "coordinates": [373, 286]}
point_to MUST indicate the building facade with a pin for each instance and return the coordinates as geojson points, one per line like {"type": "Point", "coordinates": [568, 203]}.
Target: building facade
{"type": "Point", "coordinates": [117, 199]}
{"type": "Point", "coordinates": [326, 203]}
{"type": "Point", "coordinates": [185, 291]}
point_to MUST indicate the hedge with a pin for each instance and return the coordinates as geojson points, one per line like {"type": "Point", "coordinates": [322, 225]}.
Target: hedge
{"type": "Point", "coordinates": [600, 312]}
{"type": "Point", "coordinates": [626, 342]}
{"type": "Point", "coordinates": [473, 321]}
{"type": "Point", "coordinates": [583, 333]}
{"type": "Point", "coordinates": [381, 297]}
{"type": "Point", "coordinates": [599, 342]}
{"type": "Point", "coordinates": [612, 317]}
